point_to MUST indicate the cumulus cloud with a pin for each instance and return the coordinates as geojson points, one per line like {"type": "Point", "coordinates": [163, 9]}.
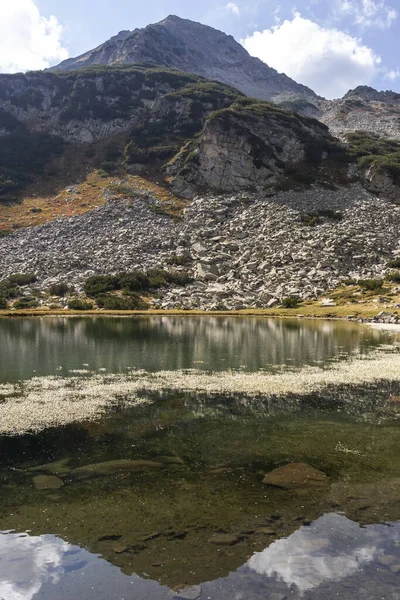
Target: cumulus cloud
{"type": "Point", "coordinates": [393, 74]}
{"type": "Point", "coordinates": [28, 41]}
{"type": "Point", "coordinates": [368, 13]}
{"type": "Point", "coordinates": [232, 7]}
{"type": "Point", "coordinates": [329, 61]}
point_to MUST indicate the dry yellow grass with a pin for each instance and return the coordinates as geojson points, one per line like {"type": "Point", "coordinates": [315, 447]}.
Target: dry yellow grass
{"type": "Point", "coordinates": [362, 311]}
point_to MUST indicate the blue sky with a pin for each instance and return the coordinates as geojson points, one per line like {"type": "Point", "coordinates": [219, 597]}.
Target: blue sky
{"type": "Point", "coordinates": [330, 45]}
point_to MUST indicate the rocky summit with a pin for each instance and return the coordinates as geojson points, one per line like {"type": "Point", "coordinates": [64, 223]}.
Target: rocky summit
{"type": "Point", "coordinates": [194, 48]}
{"type": "Point", "coordinates": [109, 168]}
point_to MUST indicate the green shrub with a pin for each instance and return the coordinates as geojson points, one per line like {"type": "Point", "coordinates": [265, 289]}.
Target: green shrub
{"type": "Point", "coordinates": [291, 302]}
{"type": "Point", "coordinates": [26, 302]}
{"type": "Point", "coordinates": [58, 289]}
{"type": "Point", "coordinates": [371, 285]}
{"type": "Point", "coordinates": [394, 264]}
{"type": "Point", "coordinates": [394, 277]}
{"type": "Point", "coordinates": [100, 284]}
{"type": "Point", "coordinates": [3, 303]}
{"type": "Point", "coordinates": [132, 302]}
{"type": "Point", "coordinates": [8, 289]}
{"type": "Point", "coordinates": [135, 281]}
{"type": "Point", "coordinates": [109, 167]}
{"type": "Point", "coordinates": [77, 304]}
{"type": "Point", "coordinates": [370, 149]}
{"type": "Point", "coordinates": [349, 282]}
{"type": "Point", "coordinates": [23, 278]}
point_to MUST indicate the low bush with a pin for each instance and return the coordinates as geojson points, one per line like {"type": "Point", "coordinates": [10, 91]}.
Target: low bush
{"type": "Point", "coordinates": [134, 281]}
{"type": "Point", "coordinates": [58, 289]}
{"type": "Point", "coordinates": [26, 302]}
{"type": "Point", "coordinates": [131, 302]}
{"type": "Point", "coordinates": [8, 289]}
{"type": "Point", "coordinates": [100, 284]}
{"type": "Point", "coordinates": [394, 264]}
{"type": "Point", "coordinates": [3, 303]}
{"type": "Point", "coordinates": [77, 304]}
{"type": "Point", "coordinates": [23, 278]}
{"type": "Point", "coordinates": [394, 277]}
{"type": "Point", "coordinates": [370, 285]}
{"type": "Point", "coordinates": [291, 302]}
{"type": "Point", "coordinates": [350, 282]}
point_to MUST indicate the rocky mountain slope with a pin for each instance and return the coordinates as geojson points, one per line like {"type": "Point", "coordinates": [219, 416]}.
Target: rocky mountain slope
{"type": "Point", "coordinates": [242, 251]}
{"type": "Point", "coordinates": [194, 48]}
{"type": "Point", "coordinates": [363, 109]}
{"type": "Point", "coordinates": [244, 202]}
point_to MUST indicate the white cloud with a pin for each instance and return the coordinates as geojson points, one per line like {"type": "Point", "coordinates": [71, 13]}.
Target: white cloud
{"type": "Point", "coordinates": [368, 13]}
{"type": "Point", "coordinates": [393, 74]}
{"type": "Point", "coordinates": [231, 6]}
{"type": "Point", "coordinates": [28, 41]}
{"type": "Point", "coordinates": [329, 61]}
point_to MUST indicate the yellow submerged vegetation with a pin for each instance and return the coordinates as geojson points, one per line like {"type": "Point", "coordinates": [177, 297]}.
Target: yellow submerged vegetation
{"type": "Point", "coordinates": [43, 402]}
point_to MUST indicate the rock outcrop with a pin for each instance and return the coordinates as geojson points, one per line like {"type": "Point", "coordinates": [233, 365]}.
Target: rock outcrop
{"type": "Point", "coordinates": [249, 146]}
{"type": "Point", "coordinates": [363, 109]}
{"type": "Point", "coordinates": [194, 48]}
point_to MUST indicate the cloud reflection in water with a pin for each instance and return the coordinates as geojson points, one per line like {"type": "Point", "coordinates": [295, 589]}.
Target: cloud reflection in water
{"type": "Point", "coordinates": [331, 549]}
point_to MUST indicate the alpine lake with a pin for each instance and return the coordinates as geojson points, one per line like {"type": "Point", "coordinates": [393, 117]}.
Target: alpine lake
{"type": "Point", "coordinates": [237, 458]}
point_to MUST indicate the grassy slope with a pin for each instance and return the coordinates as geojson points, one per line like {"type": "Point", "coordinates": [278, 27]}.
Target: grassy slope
{"type": "Point", "coordinates": [88, 195]}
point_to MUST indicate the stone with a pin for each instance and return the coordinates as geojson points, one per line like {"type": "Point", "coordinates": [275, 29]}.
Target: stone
{"type": "Point", "coordinates": [119, 548]}
{"type": "Point", "coordinates": [296, 476]}
{"type": "Point", "coordinates": [115, 466]}
{"type": "Point", "coordinates": [395, 568]}
{"type": "Point", "coordinates": [47, 482]}
{"type": "Point", "coordinates": [224, 539]}
{"type": "Point", "coordinates": [266, 530]}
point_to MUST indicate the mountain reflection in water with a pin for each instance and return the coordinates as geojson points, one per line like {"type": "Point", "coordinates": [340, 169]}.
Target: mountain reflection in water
{"type": "Point", "coordinates": [333, 556]}
{"type": "Point", "coordinates": [53, 346]}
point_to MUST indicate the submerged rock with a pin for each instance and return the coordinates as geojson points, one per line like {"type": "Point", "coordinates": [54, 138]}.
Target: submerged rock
{"type": "Point", "coordinates": [114, 466]}
{"type": "Point", "coordinates": [225, 539]}
{"type": "Point", "coordinates": [57, 468]}
{"type": "Point", "coordinates": [296, 476]}
{"type": "Point", "coordinates": [170, 460]}
{"type": "Point", "coordinates": [47, 482]}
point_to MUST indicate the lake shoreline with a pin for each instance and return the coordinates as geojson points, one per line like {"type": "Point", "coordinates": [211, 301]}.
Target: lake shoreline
{"type": "Point", "coordinates": [362, 313]}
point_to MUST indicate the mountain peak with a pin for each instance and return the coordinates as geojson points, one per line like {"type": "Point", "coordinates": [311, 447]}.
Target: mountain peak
{"type": "Point", "coordinates": [192, 47]}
